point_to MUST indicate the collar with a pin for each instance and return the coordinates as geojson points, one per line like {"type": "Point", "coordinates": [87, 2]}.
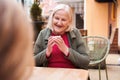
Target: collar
{"type": "Point", "coordinates": [48, 33]}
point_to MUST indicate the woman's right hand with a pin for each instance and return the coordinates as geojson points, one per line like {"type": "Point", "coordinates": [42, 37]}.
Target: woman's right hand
{"type": "Point", "coordinates": [49, 46]}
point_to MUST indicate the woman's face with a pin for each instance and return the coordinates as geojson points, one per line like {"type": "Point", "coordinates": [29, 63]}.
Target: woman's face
{"type": "Point", "coordinates": [61, 22]}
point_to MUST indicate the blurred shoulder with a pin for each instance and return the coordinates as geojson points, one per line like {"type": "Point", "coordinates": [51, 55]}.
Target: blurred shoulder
{"type": "Point", "coordinates": [75, 30]}
{"type": "Point", "coordinates": [45, 30]}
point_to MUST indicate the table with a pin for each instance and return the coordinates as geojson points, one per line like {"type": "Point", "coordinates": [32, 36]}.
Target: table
{"type": "Point", "coordinates": [45, 73]}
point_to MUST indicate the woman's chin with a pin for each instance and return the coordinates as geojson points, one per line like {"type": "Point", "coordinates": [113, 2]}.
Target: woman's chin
{"type": "Point", "coordinates": [58, 32]}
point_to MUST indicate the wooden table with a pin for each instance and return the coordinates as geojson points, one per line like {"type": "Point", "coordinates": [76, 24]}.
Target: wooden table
{"type": "Point", "coordinates": [45, 73]}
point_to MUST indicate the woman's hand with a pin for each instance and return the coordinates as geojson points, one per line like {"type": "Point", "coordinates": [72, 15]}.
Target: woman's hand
{"type": "Point", "coordinates": [59, 42]}
{"type": "Point", "coordinates": [49, 46]}
{"type": "Point", "coordinates": [61, 45]}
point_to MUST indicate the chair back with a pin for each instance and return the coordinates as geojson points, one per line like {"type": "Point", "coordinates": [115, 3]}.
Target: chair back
{"type": "Point", "coordinates": [98, 47]}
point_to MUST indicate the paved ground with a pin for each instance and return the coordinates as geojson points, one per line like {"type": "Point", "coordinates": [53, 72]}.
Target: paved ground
{"type": "Point", "coordinates": [113, 67]}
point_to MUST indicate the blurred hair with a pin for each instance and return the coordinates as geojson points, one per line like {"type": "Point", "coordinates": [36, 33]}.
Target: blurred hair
{"type": "Point", "coordinates": [69, 11]}
{"type": "Point", "coordinates": [16, 37]}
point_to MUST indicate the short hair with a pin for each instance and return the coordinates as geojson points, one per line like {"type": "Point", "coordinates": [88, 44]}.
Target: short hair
{"type": "Point", "coordinates": [16, 37]}
{"type": "Point", "coordinates": [68, 9]}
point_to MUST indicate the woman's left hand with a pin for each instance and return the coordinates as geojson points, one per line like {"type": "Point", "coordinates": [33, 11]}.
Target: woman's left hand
{"type": "Point", "coordinates": [61, 45]}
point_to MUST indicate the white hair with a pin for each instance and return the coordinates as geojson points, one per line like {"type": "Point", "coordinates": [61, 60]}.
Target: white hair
{"type": "Point", "coordinates": [65, 8]}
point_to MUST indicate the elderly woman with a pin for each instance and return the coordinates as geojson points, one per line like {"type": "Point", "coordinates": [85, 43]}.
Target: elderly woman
{"type": "Point", "coordinates": [60, 44]}
{"type": "Point", "coordinates": [16, 37]}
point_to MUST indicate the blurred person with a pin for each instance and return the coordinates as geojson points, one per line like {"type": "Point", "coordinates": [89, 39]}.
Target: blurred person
{"type": "Point", "coordinates": [16, 37]}
{"type": "Point", "coordinates": [60, 44]}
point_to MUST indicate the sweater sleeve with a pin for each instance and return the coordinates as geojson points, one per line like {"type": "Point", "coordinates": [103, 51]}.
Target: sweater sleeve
{"type": "Point", "coordinates": [78, 53]}
{"type": "Point", "coordinates": [39, 51]}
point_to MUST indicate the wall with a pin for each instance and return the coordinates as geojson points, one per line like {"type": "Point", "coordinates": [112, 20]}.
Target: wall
{"type": "Point", "coordinates": [118, 21]}
{"type": "Point", "coordinates": [96, 18]}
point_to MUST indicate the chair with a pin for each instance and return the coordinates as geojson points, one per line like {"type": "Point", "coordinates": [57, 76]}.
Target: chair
{"type": "Point", "coordinates": [98, 47]}
{"type": "Point", "coordinates": [83, 32]}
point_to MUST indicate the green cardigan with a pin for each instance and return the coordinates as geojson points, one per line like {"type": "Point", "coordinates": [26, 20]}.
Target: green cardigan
{"type": "Point", "coordinates": [77, 51]}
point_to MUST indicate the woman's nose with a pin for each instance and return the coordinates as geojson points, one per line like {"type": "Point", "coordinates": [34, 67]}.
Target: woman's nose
{"type": "Point", "coordinates": [59, 22]}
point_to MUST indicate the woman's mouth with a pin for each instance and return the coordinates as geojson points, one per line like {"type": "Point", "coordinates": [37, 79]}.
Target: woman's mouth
{"type": "Point", "coordinates": [58, 26]}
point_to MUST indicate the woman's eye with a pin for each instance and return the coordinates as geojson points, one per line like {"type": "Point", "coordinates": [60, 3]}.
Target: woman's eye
{"type": "Point", "coordinates": [56, 18]}
{"type": "Point", "coordinates": [63, 19]}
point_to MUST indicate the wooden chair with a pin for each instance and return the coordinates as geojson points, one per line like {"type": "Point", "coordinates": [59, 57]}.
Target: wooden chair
{"type": "Point", "coordinates": [83, 32]}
